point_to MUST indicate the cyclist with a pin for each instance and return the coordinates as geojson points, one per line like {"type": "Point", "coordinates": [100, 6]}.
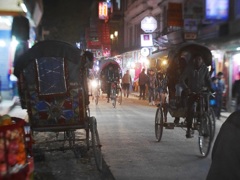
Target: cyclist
{"type": "Point", "coordinates": [197, 77]}
{"type": "Point", "coordinates": [112, 75]}
{"type": "Point", "coordinates": [162, 90]}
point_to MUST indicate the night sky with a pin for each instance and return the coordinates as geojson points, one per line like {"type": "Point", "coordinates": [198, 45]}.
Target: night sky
{"type": "Point", "coordinates": [66, 19]}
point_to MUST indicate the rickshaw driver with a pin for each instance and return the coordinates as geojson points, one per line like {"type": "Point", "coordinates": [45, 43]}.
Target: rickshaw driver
{"type": "Point", "coordinates": [112, 75]}
{"type": "Point", "coordinates": [197, 77]}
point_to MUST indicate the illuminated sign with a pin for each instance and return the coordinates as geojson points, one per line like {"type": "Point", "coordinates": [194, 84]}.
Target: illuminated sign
{"type": "Point", "coordinates": [149, 24]}
{"type": "Point", "coordinates": [146, 40]}
{"type": "Point", "coordinates": [103, 10]}
{"type": "Point", "coordinates": [216, 12]}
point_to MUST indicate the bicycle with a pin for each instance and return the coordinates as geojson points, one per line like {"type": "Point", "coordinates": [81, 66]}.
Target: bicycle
{"type": "Point", "coordinates": [115, 93]}
{"type": "Point", "coordinates": [202, 122]}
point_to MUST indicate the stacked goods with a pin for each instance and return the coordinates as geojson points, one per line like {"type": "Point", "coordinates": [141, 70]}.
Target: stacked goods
{"type": "Point", "coordinates": [13, 157]}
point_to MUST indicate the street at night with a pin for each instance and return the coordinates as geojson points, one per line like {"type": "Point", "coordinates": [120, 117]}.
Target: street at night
{"type": "Point", "coordinates": [129, 147]}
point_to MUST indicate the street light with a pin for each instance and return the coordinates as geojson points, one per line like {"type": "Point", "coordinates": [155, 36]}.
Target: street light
{"type": "Point", "coordinates": [114, 39]}
{"type": "Point", "coordinates": [114, 35]}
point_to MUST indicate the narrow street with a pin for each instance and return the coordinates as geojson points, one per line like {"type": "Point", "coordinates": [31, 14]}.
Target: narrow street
{"type": "Point", "coordinates": [130, 149]}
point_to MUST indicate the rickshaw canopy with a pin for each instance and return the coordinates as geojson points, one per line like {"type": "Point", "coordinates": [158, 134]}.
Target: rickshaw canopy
{"type": "Point", "coordinates": [48, 48]}
{"type": "Point", "coordinates": [105, 63]}
{"type": "Point", "coordinates": [191, 48]}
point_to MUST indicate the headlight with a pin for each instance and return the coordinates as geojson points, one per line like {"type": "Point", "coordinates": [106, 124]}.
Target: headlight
{"type": "Point", "coordinates": [94, 83]}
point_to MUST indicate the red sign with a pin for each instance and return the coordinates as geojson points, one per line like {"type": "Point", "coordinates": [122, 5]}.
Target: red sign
{"type": "Point", "coordinates": [94, 45]}
{"type": "Point", "coordinates": [103, 10]}
{"type": "Point", "coordinates": [175, 14]}
{"type": "Point", "coordinates": [105, 33]}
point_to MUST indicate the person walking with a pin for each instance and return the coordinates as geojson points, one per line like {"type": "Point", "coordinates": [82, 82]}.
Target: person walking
{"type": "Point", "coordinates": [151, 87]}
{"type": "Point", "coordinates": [143, 81]}
{"type": "Point", "coordinates": [219, 95]}
{"type": "Point", "coordinates": [126, 81]}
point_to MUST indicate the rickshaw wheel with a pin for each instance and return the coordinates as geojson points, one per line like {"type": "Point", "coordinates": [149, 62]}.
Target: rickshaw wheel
{"type": "Point", "coordinates": [205, 135]}
{"type": "Point", "coordinates": [159, 123]}
{"type": "Point", "coordinates": [213, 120]}
{"type": "Point", "coordinates": [120, 96]}
{"type": "Point", "coordinates": [96, 146]}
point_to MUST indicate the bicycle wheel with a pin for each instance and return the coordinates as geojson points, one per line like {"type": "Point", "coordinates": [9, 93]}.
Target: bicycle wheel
{"type": "Point", "coordinates": [113, 97]}
{"type": "Point", "coordinates": [205, 135]}
{"type": "Point", "coordinates": [120, 96]}
{"type": "Point", "coordinates": [213, 120]}
{"type": "Point", "coordinates": [159, 123]}
{"type": "Point", "coordinates": [96, 146]}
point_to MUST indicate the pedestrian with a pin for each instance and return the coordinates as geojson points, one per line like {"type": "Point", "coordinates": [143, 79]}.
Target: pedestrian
{"type": "Point", "coordinates": [219, 95]}
{"type": "Point", "coordinates": [143, 81]}
{"type": "Point", "coordinates": [225, 153]}
{"type": "Point", "coordinates": [236, 92]}
{"type": "Point", "coordinates": [161, 87]}
{"type": "Point", "coordinates": [126, 81]}
{"type": "Point", "coordinates": [151, 87]}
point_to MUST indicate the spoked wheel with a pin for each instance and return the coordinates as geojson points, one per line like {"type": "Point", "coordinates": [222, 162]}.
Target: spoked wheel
{"type": "Point", "coordinates": [159, 123]}
{"type": "Point", "coordinates": [113, 97]}
{"type": "Point", "coordinates": [213, 120]}
{"type": "Point", "coordinates": [205, 135]}
{"type": "Point", "coordinates": [96, 143]}
{"type": "Point", "coordinates": [120, 96]}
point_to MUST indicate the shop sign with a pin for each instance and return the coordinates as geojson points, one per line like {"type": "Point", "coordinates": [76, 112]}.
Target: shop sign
{"type": "Point", "coordinates": [103, 10]}
{"type": "Point", "coordinates": [146, 40]}
{"type": "Point", "coordinates": [149, 24]}
{"type": "Point", "coordinates": [145, 52]}
{"type": "Point", "coordinates": [190, 35]}
{"type": "Point", "coordinates": [190, 25]}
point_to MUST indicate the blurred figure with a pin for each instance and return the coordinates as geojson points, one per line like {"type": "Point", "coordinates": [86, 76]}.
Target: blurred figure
{"type": "Point", "coordinates": [197, 78]}
{"type": "Point", "coordinates": [162, 91]}
{"type": "Point", "coordinates": [219, 95]}
{"type": "Point", "coordinates": [225, 153]}
{"type": "Point", "coordinates": [213, 100]}
{"type": "Point", "coordinates": [126, 81]}
{"type": "Point", "coordinates": [236, 92]}
{"type": "Point", "coordinates": [151, 87]}
{"type": "Point", "coordinates": [143, 81]}
{"type": "Point", "coordinates": [112, 75]}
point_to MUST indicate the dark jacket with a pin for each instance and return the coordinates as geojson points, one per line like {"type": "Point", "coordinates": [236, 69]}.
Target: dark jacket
{"type": "Point", "coordinates": [196, 78]}
{"type": "Point", "coordinates": [226, 151]}
{"type": "Point", "coordinates": [143, 78]}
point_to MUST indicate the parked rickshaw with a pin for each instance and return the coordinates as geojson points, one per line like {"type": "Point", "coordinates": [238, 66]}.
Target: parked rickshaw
{"type": "Point", "coordinates": [116, 89]}
{"type": "Point", "coordinates": [52, 82]}
{"type": "Point", "coordinates": [204, 119]}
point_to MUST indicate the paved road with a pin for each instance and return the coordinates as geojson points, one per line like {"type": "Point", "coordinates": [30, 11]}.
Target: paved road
{"type": "Point", "coordinates": [130, 149]}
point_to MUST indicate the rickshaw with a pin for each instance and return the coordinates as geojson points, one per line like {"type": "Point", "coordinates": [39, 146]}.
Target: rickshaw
{"type": "Point", "coordinates": [204, 119]}
{"type": "Point", "coordinates": [52, 84]}
{"type": "Point", "coordinates": [116, 89]}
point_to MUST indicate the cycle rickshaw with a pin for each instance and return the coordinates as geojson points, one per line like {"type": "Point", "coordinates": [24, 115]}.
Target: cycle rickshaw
{"type": "Point", "coordinates": [115, 87]}
{"type": "Point", "coordinates": [52, 83]}
{"type": "Point", "coordinates": [204, 119]}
